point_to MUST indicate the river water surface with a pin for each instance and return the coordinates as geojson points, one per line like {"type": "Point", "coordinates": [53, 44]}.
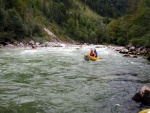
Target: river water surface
{"type": "Point", "coordinates": [59, 80]}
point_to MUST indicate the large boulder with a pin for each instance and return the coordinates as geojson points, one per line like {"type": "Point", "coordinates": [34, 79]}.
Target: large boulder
{"type": "Point", "coordinates": [124, 51]}
{"type": "Point", "coordinates": [144, 51]}
{"type": "Point", "coordinates": [132, 48]}
{"type": "Point", "coordinates": [143, 95]}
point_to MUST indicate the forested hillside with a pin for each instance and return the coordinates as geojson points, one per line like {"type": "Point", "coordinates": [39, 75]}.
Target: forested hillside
{"type": "Point", "coordinates": [108, 8]}
{"type": "Point", "coordinates": [25, 19]}
{"type": "Point", "coordinates": [134, 27]}
{"type": "Point", "coordinates": [92, 21]}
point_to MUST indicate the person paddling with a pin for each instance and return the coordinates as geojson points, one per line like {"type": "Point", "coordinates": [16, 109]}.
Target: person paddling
{"type": "Point", "coordinates": [92, 53]}
{"type": "Point", "coordinates": [96, 53]}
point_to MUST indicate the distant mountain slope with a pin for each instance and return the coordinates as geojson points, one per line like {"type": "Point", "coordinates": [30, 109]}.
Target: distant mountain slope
{"type": "Point", "coordinates": [25, 19]}
{"type": "Point", "coordinates": [92, 21]}
{"type": "Point", "coordinates": [132, 28]}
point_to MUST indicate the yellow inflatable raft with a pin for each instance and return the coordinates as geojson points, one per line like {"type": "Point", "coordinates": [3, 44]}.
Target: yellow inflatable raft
{"type": "Point", "coordinates": [88, 57]}
{"type": "Point", "coordinates": [93, 58]}
{"type": "Point", "coordinates": [145, 111]}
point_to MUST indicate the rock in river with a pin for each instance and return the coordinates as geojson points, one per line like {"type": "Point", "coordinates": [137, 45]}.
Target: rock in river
{"type": "Point", "coordinates": [143, 95]}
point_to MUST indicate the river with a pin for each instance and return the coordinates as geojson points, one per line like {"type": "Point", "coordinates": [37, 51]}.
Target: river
{"type": "Point", "coordinates": [59, 80]}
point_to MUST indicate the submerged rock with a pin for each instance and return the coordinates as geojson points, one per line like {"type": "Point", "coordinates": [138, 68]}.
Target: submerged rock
{"type": "Point", "coordinates": [86, 57]}
{"type": "Point", "coordinates": [143, 95]}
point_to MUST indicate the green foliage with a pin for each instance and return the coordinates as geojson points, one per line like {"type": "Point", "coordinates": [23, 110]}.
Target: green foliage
{"type": "Point", "coordinates": [112, 30]}
{"type": "Point", "coordinates": [2, 19]}
{"type": "Point", "coordinates": [121, 41]}
{"type": "Point", "coordinates": [146, 39]}
{"type": "Point", "coordinates": [15, 24]}
{"type": "Point", "coordinates": [27, 18]}
{"type": "Point", "coordinates": [6, 36]}
{"type": "Point", "coordinates": [140, 21]}
{"type": "Point", "coordinates": [143, 41]}
{"type": "Point", "coordinates": [71, 24]}
{"type": "Point", "coordinates": [133, 28]}
{"type": "Point", "coordinates": [108, 8]}
{"type": "Point", "coordinates": [137, 41]}
{"type": "Point", "coordinates": [74, 18]}
{"type": "Point", "coordinates": [11, 25]}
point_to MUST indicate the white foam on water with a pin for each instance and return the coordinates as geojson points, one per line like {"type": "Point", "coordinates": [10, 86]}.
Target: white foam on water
{"type": "Point", "coordinates": [30, 51]}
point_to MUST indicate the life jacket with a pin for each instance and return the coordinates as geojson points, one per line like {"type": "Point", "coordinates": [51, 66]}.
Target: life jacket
{"type": "Point", "coordinates": [92, 53]}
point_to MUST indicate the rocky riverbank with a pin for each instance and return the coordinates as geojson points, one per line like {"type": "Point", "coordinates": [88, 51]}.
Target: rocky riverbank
{"type": "Point", "coordinates": [132, 51]}
{"type": "Point", "coordinates": [34, 44]}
